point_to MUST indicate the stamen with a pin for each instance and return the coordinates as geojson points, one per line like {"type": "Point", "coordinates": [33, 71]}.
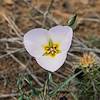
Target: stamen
{"type": "Point", "coordinates": [51, 49]}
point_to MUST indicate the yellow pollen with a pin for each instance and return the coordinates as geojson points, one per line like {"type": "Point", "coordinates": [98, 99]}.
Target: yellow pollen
{"type": "Point", "coordinates": [51, 49]}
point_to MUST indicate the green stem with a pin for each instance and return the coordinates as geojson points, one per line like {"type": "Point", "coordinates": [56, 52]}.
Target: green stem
{"type": "Point", "coordinates": [46, 86]}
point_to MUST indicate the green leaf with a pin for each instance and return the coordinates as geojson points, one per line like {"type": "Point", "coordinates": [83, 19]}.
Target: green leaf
{"type": "Point", "coordinates": [27, 98]}
{"type": "Point", "coordinates": [72, 22]}
{"type": "Point", "coordinates": [74, 96]}
{"type": "Point", "coordinates": [63, 84]}
{"type": "Point", "coordinates": [20, 97]}
{"type": "Point", "coordinates": [50, 77]}
{"type": "Point", "coordinates": [20, 83]}
{"type": "Point", "coordinates": [35, 92]}
{"type": "Point", "coordinates": [28, 80]}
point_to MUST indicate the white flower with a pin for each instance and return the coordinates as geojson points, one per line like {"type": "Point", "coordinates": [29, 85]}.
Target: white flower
{"type": "Point", "coordinates": [49, 47]}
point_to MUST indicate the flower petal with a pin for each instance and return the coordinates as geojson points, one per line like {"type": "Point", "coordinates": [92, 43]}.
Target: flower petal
{"type": "Point", "coordinates": [33, 41]}
{"type": "Point", "coordinates": [63, 35]}
{"type": "Point", "coordinates": [52, 64]}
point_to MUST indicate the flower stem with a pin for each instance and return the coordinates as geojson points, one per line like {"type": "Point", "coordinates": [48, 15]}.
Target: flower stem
{"type": "Point", "coordinates": [46, 86]}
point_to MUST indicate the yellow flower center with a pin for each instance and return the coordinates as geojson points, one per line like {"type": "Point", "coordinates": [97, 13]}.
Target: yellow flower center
{"type": "Point", "coordinates": [87, 60]}
{"type": "Point", "coordinates": [51, 49]}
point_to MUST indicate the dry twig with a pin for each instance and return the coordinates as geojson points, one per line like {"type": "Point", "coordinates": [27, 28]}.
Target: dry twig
{"type": "Point", "coordinates": [27, 69]}
{"type": "Point", "coordinates": [47, 12]}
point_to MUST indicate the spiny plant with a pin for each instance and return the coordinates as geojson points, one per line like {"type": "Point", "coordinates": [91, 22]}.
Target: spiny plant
{"type": "Point", "coordinates": [88, 83]}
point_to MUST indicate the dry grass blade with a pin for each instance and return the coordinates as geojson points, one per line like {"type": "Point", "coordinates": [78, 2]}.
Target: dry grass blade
{"type": "Point", "coordinates": [47, 12]}
{"type": "Point", "coordinates": [11, 52]}
{"type": "Point", "coordinates": [11, 23]}
{"type": "Point", "coordinates": [25, 67]}
{"type": "Point", "coordinates": [8, 95]}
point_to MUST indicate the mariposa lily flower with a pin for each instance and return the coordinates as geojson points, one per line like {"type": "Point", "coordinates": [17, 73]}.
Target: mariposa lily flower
{"type": "Point", "coordinates": [49, 47]}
